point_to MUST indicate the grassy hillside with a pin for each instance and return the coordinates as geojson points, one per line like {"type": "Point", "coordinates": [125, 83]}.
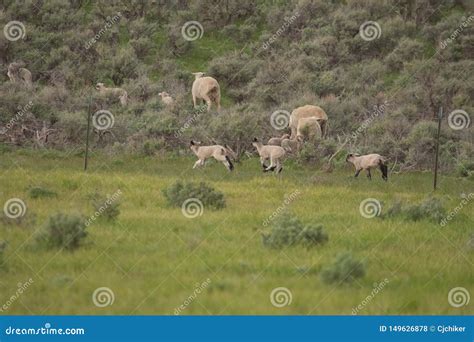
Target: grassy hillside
{"type": "Point", "coordinates": [152, 257]}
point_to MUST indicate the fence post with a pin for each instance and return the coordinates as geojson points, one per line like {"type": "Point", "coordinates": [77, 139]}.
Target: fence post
{"type": "Point", "coordinates": [86, 156]}
{"type": "Point", "coordinates": [435, 180]}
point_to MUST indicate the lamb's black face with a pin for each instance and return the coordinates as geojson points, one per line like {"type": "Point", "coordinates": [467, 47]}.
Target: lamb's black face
{"type": "Point", "coordinates": [255, 140]}
{"type": "Point", "coordinates": [350, 155]}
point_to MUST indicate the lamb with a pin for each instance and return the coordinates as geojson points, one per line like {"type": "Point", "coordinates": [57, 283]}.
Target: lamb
{"type": "Point", "coordinates": [119, 93]}
{"type": "Point", "coordinates": [306, 112]}
{"type": "Point", "coordinates": [274, 153]}
{"type": "Point", "coordinates": [312, 125]}
{"type": "Point", "coordinates": [292, 145]}
{"type": "Point", "coordinates": [166, 98]}
{"type": "Point", "coordinates": [16, 73]}
{"type": "Point", "coordinates": [277, 141]}
{"type": "Point", "coordinates": [207, 89]}
{"type": "Point", "coordinates": [368, 162]}
{"type": "Point", "coordinates": [217, 152]}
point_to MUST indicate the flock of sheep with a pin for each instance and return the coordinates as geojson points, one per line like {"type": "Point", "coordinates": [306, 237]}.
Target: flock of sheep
{"type": "Point", "coordinates": [308, 119]}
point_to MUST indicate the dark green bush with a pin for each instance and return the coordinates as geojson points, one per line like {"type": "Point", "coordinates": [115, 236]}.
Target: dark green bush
{"type": "Point", "coordinates": [41, 192]}
{"type": "Point", "coordinates": [430, 208]}
{"type": "Point", "coordinates": [62, 231]}
{"type": "Point", "coordinates": [179, 192]}
{"type": "Point", "coordinates": [345, 269]}
{"type": "Point", "coordinates": [287, 230]}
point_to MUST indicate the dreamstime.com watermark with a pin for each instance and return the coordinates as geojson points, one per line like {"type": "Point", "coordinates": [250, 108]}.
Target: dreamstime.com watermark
{"type": "Point", "coordinates": [457, 209]}
{"type": "Point", "coordinates": [378, 110]}
{"type": "Point", "coordinates": [280, 297]}
{"type": "Point", "coordinates": [456, 32]}
{"type": "Point", "coordinates": [46, 330]}
{"type": "Point", "coordinates": [108, 24]}
{"type": "Point", "coordinates": [197, 290]}
{"type": "Point", "coordinates": [290, 198]}
{"type": "Point", "coordinates": [19, 114]}
{"type": "Point", "coordinates": [103, 207]}
{"type": "Point", "coordinates": [377, 288]}
{"type": "Point", "coordinates": [287, 23]}
{"type": "Point", "coordinates": [192, 119]}
{"type": "Point", "coordinates": [22, 287]}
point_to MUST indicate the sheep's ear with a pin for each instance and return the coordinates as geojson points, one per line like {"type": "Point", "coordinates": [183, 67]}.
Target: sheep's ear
{"type": "Point", "coordinates": [255, 140]}
{"type": "Point", "coordinates": [191, 142]}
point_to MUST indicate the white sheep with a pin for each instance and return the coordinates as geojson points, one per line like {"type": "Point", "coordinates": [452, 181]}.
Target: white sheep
{"type": "Point", "coordinates": [119, 93]}
{"type": "Point", "coordinates": [367, 162]}
{"type": "Point", "coordinates": [310, 124]}
{"type": "Point", "coordinates": [292, 145]}
{"type": "Point", "coordinates": [166, 98]}
{"type": "Point", "coordinates": [277, 141]}
{"type": "Point", "coordinates": [218, 152]}
{"type": "Point", "coordinates": [274, 153]}
{"type": "Point", "coordinates": [306, 112]}
{"type": "Point", "coordinates": [207, 89]}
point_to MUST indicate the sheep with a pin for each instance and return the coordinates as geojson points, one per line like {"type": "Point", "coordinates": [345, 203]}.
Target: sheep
{"type": "Point", "coordinates": [277, 141]}
{"type": "Point", "coordinates": [206, 88]}
{"type": "Point", "coordinates": [166, 98]}
{"type": "Point", "coordinates": [292, 145]}
{"type": "Point", "coordinates": [218, 152]}
{"type": "Point", "coordinates": [16, 73]}
{"type": "Point", "coordinates": [368, 162]}
{"type": "Point", "coordinates": [274, 153]}
{"type": "Point", "coordinates": [306, 112]}
{"type": "Point", "coordinates": [119, 93]}
{"type": "Point", "coordinates": [312, 125]}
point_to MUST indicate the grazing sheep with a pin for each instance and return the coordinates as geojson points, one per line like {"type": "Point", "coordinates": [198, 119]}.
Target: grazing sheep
{"type": "Point", "coordinates": [306, 112]}
{"type": "Point", "coordinates": [119, 93]}
{"type": "Point", "coordinates": [274, 153]}
{"type": "Point", "coordinates": [166, 98]}
{"type": "Point", "coordinates": [292, 145]}
{"type": "Point", "coordinates": [367, 162]}
{"type": "Point", "coordinates": [312, 125]}
{"type": "Point", "coordinates": [217, 152]}
{"type": "Point", "coordinates": [277, 141]}
{"type": "Point", "coordinates": [207, 89]}
{"type": "Point", "coordinates": [16, 73]}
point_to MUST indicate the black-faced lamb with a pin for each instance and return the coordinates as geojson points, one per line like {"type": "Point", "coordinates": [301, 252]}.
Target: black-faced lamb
{"type": "Point", "coordinates": [367, 162]}
{"type": "Point", "coordinates": [218, 152]}
{"type": "Point", "coordinates": [272, 153]}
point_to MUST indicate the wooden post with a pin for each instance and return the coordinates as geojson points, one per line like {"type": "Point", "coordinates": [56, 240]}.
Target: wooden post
{"type": "Point", "coordinates": [86, 156]}
{"type": "Point", "coordinates": [435, 180]}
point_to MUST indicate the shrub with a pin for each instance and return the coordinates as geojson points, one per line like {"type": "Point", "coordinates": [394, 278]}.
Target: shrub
{"type": "Point", "coordinates": [344, 269]}
{"type": "Point", "coordinates": [287, 230]}
{"type": "Point", "coordinates": [40, 192]}
{"type": "Point", "coordinates": [430, 208]}
{"type": "Point", "coordinates": [177, 193]}
{"type": "Point", "coordinates": [62, 231]}
{"type": "Point", "coordinates": [108, 206]}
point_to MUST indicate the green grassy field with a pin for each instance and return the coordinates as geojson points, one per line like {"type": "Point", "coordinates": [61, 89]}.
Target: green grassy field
{"type": "Point", "coordinates": [152, 257]}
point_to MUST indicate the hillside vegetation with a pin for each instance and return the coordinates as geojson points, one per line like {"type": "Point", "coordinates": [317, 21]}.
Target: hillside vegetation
{"type": "Point", "coordinates": [267, 56]}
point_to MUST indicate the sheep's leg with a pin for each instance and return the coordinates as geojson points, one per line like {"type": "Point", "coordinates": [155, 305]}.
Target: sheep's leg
{"type": "Point", "coordinates": [194, 100]}
{"type": "Point", "coordinates": [262, 162]}
{"type": "Point", "coordinates": [218, 103]}
{"type": "Point", "coordinates": [207, 99]}
{"type": "Point", "coordinates": [279, 167]}
{"type": "Point", "coordinates": [197, 163]}
{"type": "Point", "coordinates": [272, 166]}
{"type": "Point", "coordinates": [369, 176]}
{"type": "Point", "coordinates": [357, 173]}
